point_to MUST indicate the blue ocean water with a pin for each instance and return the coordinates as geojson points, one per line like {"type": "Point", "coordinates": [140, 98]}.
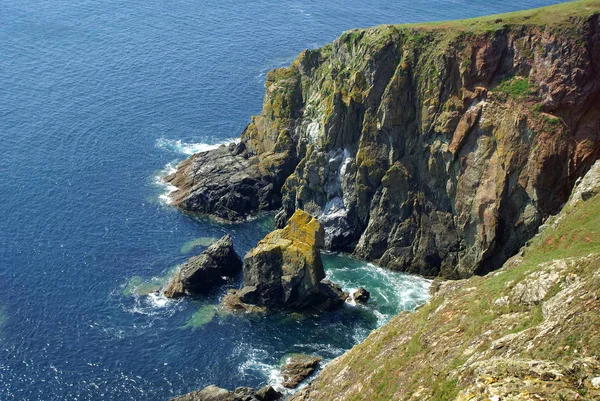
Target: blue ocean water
{"type": "Point", "coordinates": [97, 98]}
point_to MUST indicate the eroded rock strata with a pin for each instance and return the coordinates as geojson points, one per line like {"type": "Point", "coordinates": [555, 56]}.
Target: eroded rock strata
{"type": "Point", "coordinates": [436, 149]}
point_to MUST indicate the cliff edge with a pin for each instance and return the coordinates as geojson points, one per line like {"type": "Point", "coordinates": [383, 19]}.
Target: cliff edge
{"type": "Point", "coordinates": [436, 149]}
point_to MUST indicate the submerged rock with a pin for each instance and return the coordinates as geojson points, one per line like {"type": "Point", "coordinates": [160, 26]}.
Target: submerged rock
{"type": "Point", "coordinates": [214, 393]}
{"type": "Point", "coordinates": [202, 273]}
{"type": "Point", "coordinates": [297, 368]}
{"type": "Point", "coordinates": [285, 271]}
{"type": "Point", "coordinates": [361, 295]}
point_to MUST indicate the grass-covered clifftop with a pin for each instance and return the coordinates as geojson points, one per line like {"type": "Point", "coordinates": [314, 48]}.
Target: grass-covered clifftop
{"type": "Point", "coordinates": [530, 331]}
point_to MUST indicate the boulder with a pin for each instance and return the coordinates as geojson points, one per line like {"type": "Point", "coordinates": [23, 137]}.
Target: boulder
{"type": "Point", "coordinates": [202, 273]}
{"type": "Point", "coordinates": [361, 295]}
{"type": "Point", "coordinates": [214, 393]}
{"type": "Point", "coordinates": [297, 368]}
{"type": "Point", "coordinates": [285, 271]}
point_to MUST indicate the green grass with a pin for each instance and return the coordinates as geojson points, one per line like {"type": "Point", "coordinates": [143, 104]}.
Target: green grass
{"type": "Point", "coordinates": [515, 87]}
{"type": "Point", "coordinates": [553, 121]}
{"type": "Point", "coordinates": [576, 235]}
{"type": "Point", "coordinates": [542, 17]}
{"type": "Point", "coordinates": [446, 390]}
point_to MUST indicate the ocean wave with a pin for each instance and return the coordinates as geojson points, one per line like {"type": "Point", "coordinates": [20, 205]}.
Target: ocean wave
{"type": "Point", "coordinates": [182, 148]}
{"type": "Point", "coordinates": [256, 364]}
{"type": "Point", "coordinates": [391, 292]}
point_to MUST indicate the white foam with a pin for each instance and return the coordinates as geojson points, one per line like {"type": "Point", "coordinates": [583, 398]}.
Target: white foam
{"type": "Point", "coordinates": [350, 300]}
{"type": "Point", "coordinates": [158, 300]}
{"type": "Point", "coordinates": [390, 291]}
{"type": "Point", "coordinates": [182, 148]}
{"type": "Point", "coordinates": [167, 187]}
{"type": "Point", "coordinates": [189, 148]}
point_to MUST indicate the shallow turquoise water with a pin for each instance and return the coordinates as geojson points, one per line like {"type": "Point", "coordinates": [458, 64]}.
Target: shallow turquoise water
{"type": "Point", "coordinates": [97, 98]}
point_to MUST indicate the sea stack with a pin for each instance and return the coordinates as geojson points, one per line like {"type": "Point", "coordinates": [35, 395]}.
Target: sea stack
{"type": "Point", "coordinates": [285, 271]}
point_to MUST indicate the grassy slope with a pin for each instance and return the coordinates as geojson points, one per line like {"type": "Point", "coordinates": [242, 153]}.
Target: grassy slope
{"type": "Point", "coordinates": [424, 355]}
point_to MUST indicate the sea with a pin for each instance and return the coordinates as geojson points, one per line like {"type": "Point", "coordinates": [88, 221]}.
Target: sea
{"type": "Point", "coordinates": [98, 100]}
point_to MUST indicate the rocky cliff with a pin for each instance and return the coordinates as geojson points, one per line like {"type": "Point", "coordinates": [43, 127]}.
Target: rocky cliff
{"type": "Point", "coordinates": [437, 149]}
{"type": "Point", "coordinates": [529, 331]}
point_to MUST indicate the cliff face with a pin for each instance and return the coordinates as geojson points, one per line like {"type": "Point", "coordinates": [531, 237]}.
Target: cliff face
{"type": "Point", "coordinates": [434, 149]}
{"type": "Point", "coordinates": [529, 331]}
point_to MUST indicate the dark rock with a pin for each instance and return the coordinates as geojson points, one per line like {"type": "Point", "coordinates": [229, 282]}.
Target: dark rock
{"type": "Point", "coordinates": [268, 393]}
{"type": "Point", "coordinates": [361, 295]}
{"type": "Point", "coordinates": [214, 393]}
{"type": "Point", "coordinates": [284, 271]}
{"type": "Point", "coordinates": [331, 296]}
{"type": "Point", "coordinates": [203, 272]}
{"type": "Point", "coordinates": [228, 183]}
{"type": "Point", "coordinates": [297, 368]}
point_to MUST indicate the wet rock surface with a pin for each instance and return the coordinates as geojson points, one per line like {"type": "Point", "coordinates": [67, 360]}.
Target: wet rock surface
{"type": "Point", "coordinates": [361, 295]}
{"type": "Point", "coordinates": [202, 273]}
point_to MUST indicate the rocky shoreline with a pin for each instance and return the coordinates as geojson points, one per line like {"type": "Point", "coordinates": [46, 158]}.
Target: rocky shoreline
{"type": "Point", "coordinates": [438, 150]}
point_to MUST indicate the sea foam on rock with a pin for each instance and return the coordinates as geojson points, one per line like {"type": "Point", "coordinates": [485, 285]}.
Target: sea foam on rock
{"type": "Point", "coordinates": [285, 271]}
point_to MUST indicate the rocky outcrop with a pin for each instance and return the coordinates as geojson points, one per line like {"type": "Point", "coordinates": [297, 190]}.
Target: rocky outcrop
{"type": "Point", "coordinates": [202, 273]}
{"type": "Point", "coordinates": [435, 149]}
{"type": "Point", "coordinates": [214, 393]}
{"type": "Point", "coordinates": [528, 331]}
{"type": "Point", "coordinates": [297, 368]}
{"type": "Point", "coordinates": [361, 295]}
{"type": "Point", "coordinates": [284, 271]}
